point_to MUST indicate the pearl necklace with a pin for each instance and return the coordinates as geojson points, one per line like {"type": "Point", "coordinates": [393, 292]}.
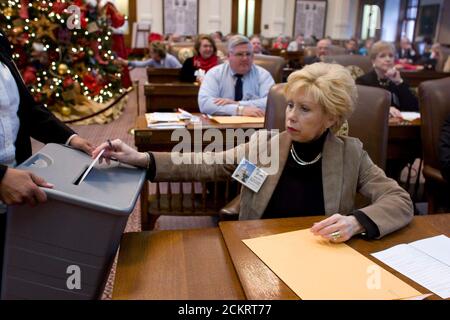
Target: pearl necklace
{"type": "Point", "coordinates": [302, 162]}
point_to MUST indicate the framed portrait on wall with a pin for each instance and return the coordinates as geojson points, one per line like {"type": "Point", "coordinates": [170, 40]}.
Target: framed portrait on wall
{"type": "Point", "coordinates": [428, 17]}
{"type": "Point", "coordinates": [180, 17]}
{"type": "Point", "coordinates": [310, 18]}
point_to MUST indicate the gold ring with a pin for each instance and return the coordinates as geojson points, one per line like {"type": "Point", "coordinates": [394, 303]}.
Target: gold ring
{"type": "Point", "coordinates": [335, 235]}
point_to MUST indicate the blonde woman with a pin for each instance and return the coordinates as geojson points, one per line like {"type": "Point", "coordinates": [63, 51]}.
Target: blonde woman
{"type": "Point", "coordinates": [317, 172]}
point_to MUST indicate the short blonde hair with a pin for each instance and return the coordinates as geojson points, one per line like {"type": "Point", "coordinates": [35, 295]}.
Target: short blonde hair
{"type": "Point", "coordinates": [379, 46]}
{"type": "Point", "coordinates": [330, 85]}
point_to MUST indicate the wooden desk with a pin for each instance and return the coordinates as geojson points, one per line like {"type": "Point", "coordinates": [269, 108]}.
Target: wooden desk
{"type": "Point", "coordinates": [163, 75]}
{"type": "Point", "coordinates": [147, 139]}
{"type": "Point", "coordinates": [415, 78]}
{"type": "Point", "coordinates": [262, 283]}
{"type": "Point", "coordinates": [195, 264]}
{"type": "Point", "coordinates": [404, 141]}
{"type": "Point", "coordinates": [181, 265]}
{"type": "Point", "coordinates": [161, 97]}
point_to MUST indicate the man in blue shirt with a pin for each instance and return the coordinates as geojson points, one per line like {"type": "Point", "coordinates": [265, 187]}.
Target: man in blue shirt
{"type": "Point", "coordinates": [237, 87]}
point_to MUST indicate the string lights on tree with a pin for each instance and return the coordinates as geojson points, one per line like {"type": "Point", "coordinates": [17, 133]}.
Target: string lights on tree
{"type": "Point", "coordinates": [64, 50]}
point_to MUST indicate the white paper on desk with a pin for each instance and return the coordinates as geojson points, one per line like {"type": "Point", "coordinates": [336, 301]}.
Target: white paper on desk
{"type": "Point", "coordinates": [426, 262]}
{"type": "Point", "coordinates": [162, 117]}
{"type": "Point", "coordinates": [410, 116]}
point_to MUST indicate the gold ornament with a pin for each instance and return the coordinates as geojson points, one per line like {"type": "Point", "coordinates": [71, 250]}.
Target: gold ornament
{"type": "Point", "coordinates": [8, 12]}
{"type": "Point", "coordinates": [45, 27]}
{"type": "Point", "coordinates": [66, 111]}
{"type": "Point", "coordinates": [62, 69]}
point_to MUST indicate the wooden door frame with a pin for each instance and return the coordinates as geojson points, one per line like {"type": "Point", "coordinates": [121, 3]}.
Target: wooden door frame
{"type": "Point", "coordinates": [362, 3]}
{"type": "Point", "coordinates": [235, 17]}
{"type": "Point", "coordinates": [132, 17]}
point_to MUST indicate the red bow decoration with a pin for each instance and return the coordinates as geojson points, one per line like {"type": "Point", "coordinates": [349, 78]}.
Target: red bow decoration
{"type": "Point", "coordinates": [92, 84]}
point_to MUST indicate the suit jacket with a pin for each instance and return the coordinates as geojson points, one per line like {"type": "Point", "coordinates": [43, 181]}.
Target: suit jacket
{"type": "Point", "coordinates": [35, 120]}
{"type": "Point", "coordinates": [406, 99]}
{"type": "Point", "coordinates": [346, 170]}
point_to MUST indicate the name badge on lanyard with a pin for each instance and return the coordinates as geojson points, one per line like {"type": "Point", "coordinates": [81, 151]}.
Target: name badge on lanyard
{"type": "Point", "coordinates": [250, 175]}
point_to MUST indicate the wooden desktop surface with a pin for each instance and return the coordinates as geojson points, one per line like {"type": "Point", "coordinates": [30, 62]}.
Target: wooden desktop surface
{"type": "Point", "coordinates": [196, 264]}
{"type": "Point", "coordinates": [176, 265]}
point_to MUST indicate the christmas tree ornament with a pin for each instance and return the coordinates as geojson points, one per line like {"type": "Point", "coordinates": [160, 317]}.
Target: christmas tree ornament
{"type": "Point", "coordinates": [66, 111]}
{"type": "Point", "coordinates": [62, 69]}
{"type": "Point", "coordinates": [45, 28]}
{"type": "Point", "coordinates": [8, 12]}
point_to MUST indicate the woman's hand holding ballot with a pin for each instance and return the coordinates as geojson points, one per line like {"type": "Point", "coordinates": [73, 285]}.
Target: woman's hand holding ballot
{"type": "Point", "coordinates": [122, 152]}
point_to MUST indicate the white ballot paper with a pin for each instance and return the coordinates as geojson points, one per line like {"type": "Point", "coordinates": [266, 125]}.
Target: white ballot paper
{"type": "Point", "coordinates": [426, 262]}
{"type": "Point", "coordinates": [91, 166]}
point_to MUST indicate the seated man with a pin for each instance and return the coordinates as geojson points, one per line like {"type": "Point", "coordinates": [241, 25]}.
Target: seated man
{"type": "Point", "coordinates": [257, 45]}
{"type": "Point", "coordinates": [322, 50]}
{"type": "Point", "coordinates": [237, 87]}
{"type": "Point", "coordinates": [298, 44]}
{"type": "Point", "coordinates": [406, 53]}
{"type": "Point", "coordinates": [159, 58]}
{"type": "Point", "coordinates": [351, 46]}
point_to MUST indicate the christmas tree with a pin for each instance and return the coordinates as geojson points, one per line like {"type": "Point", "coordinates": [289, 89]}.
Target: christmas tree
{"type": "Point", "coordinates": [64, 52]}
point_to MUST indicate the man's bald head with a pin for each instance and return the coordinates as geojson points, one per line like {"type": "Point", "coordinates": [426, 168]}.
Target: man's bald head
{"type": "Point", "coordinates": [323, 47]}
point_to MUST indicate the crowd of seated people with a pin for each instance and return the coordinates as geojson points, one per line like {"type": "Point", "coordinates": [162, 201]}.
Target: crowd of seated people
{"type": "Point", "coordinates": [313, 50]}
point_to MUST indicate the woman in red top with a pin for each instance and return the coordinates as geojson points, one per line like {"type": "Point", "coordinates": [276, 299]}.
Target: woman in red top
{"type": "Point", "coordinates": [205, 58]}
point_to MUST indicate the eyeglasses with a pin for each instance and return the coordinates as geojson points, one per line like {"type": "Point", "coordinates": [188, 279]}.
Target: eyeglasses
{"type": "Point", "coordinates": [241, 55]}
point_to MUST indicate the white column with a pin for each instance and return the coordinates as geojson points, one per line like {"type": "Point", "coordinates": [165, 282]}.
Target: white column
{"type": "Point", "coordinates": [279, 20]}
{"type": "Point", "coordinates": [214, 17]}
{"type": "Point", "coordinates": [341, 18]}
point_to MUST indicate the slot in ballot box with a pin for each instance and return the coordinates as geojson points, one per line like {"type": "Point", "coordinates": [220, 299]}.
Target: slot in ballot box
{"type": "Point", "coordinates": [64, 248]}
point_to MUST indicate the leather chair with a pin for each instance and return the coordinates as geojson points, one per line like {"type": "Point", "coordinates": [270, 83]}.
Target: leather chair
{"type": "Point", "coordinates": [336, 50]}
{"type": "Point", "coordinates": [182, 50]}
{"type": "Point", "coordinates": [273, 64]}
{"type": "Point", "coordinates": [444, 55]}
{"type": "Point", "coordinates": [369, 123]}
{"type": "Point", "coordinates": [346, 60]}
{"type": "Point", "coordinates": [310, 51]}
{"type": "Point", "coordinates": [434, 102]}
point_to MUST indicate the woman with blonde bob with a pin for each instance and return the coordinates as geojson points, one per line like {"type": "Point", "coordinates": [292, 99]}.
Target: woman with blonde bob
{"type": "Point", "coordinates": [384, 75]}
{"type": "Point", "coordinates": [312, 171]}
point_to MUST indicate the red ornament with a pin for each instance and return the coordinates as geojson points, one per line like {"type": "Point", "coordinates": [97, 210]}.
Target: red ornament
{"type": "Point", "coordinates": [59, 7]}
{"type": "Point", "coordinates": [29, 75]}
{"type": "Point", "coordinates": [68, 82]}
{"type": "Point", "coordinates": [92, 84]}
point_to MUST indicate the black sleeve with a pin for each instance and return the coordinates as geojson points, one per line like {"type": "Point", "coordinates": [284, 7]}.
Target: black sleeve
{"type": "Point", "coordinates": [408, 101]}
{"type": "Point", "coordinates": [3, 169]}
{"type": "Point", "coordinates": [151, 172]}
{"type": "Point", "coordinates": [372, 231]}
{"type": "Point", "coordinates": [188, 71]}
{"type": "Point", "coordinates": [43, 125]}
{"type": "Point", "coordinates": [444, 150]}
{"type": "Point", "coordinates": [361, 81]}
